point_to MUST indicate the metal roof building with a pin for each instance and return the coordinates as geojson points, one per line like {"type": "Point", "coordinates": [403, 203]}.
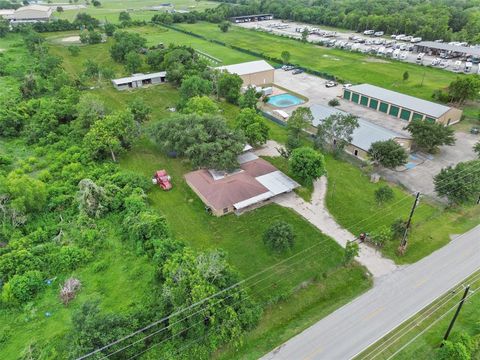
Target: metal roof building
{"type": "Point", "coordinates": [139, 80]}
{"type": "Point", "coordinates": [426, 46]}
{"type": "Point", "coordinates": [251, 18]}
{"type": "Point", "coordinates": [402, 106]}
{"type": "Point", "coordinates": [30, 14]}
{"type": "Point", "coordinates": [255, 73]}
{"type": "Point", "coordinates": [364, 135]}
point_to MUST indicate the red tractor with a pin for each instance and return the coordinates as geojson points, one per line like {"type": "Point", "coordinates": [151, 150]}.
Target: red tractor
{"type": "Point", "coordinates": [162, 179]}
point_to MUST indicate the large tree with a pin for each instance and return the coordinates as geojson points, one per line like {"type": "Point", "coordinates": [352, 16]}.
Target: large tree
{"type": "Point", "coordinates": [133, 62]}
{"type": "Point", "coordinates": [228, 86]}
{"type": "Point", "coordinates": [464, 88]}
{"type": "Point", "coordinates": [111, 135]}
{"type": "Point", "coordinates": [126, 42]}
{"type": "Point", "coordinates": [194, 86]}
{"type": "Point", "coordinates": [388, 154]}
{"type": "Point", "coordinates": [336, 131]}
{"type": "Point", "coordinates": [460, 184]}
{"type": "Point", "coordinates": [429, 136]}
{"type": "Point", "coordinates": [307, 164]}
{"type": "Point", "coordinates": [253, 126]}
{"type": "Point", "coordinates": [206, 140]}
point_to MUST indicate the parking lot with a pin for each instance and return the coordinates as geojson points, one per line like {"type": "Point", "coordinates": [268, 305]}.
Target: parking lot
{"type": "Point", "coordinates": [351, 41]}
{"type": "Point", "coordinates": [421, 168]}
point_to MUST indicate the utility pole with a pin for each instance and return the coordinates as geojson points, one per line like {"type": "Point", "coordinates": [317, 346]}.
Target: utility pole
{"type": "Point", "coordinates": [456, 315]}
{"type": "Point", "coordinates": [403, 244]}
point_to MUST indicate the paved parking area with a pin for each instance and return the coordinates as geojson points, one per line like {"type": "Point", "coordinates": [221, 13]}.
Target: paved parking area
{"type": "Point", "coordinates": [289, 29]}
{"type": "Point", "coordinates": [422, 167]}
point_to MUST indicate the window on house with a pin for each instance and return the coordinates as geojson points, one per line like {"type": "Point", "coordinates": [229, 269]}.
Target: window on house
{"type": "Point", "coordinates": [225, 210]}
{"type": "Point", "coordinates": [355, 152]}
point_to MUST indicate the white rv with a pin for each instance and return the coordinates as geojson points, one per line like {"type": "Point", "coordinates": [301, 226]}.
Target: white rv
{"type": "Point", "coordinates": [396, 54]}
{"type": "Point", "coordinates": [420, 58]}
{"type": "Point", "coordinates": [456, 65]}
{"type": "Point", "coordinates": [416, 40]}
{"type": "Point", "coordinates": [379, 33]}
{"type": "Point", "coordinates": [369, 32]}
{"type": "Point", "coordinates": [403, 55]}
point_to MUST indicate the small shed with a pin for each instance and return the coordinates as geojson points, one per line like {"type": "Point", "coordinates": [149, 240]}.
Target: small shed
{"type": "Point", "coordinates": [139, 80]}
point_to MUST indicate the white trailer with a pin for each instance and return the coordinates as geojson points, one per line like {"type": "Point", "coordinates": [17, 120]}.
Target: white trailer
{"type": "Point", "coordinates": [456, 65]}
{"type": "Point", "coordinates": [420, 58]}
{"type": "Point", "coordinates": [369, 32]}
{"type": "Point", "coordinates": [396, 54]}
{"type": "Point", "coordinates": [416, 40]}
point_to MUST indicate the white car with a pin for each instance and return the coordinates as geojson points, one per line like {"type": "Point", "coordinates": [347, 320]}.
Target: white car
{"type": "Point", "coordinates": [330, 84]}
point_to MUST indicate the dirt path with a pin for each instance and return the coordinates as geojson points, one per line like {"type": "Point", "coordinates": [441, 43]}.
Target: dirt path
{"type": "Point", "coordinates": [317, 214]}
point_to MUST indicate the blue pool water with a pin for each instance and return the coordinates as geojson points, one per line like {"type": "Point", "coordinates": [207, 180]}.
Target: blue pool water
{"type": "Point", "coordinates": [284, 100]}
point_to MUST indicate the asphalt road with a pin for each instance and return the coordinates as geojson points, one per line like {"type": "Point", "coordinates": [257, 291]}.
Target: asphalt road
{"type": "Point", "coordinates": [395, 298]}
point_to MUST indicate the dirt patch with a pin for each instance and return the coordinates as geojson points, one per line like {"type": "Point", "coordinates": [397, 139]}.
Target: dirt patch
{"type": "Point", "coordinates": [376, 60]}
{"type": "Point", "coordinates": [71, 39]}
{"type": "Point", "coordinates": [1, 50]}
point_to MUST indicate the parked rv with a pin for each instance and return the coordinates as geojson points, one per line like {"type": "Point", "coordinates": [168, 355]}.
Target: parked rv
{"type": "Point", "coordinates": [435, 62]}
{"type": "Point", "coordinates": [400, 37]}
{"type": "Point", "coordinates": [379, 33]}
{"type": "Point", "coordinates": [395, 54]}
{"type": "Point", "coordinates": [403, 55]}
{"type": "Point", "coordinates": [416, 40]}
{"type": "Point", "coordinates": [456, 65]}
{"type": "Point", "coordinates": [369, 32]}
{"type": "Point", "coordinates": [420, 58]}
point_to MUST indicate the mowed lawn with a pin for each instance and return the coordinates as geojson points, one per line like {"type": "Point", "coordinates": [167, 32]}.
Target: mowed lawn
{"type": "Point", "coordinates": [110, 9]}
{"type": "Point", "coordinates": [351, 200]}
{"type": "Point", "coordinates": [296, 289]}
{"type": "Point", "coordinates": [351, 67]}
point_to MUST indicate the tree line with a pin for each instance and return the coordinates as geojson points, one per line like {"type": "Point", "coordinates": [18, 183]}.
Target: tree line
{"type": "Point", "coordinates": [431, 19]}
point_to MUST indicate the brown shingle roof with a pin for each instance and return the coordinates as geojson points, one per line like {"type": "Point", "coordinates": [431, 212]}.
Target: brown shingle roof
{"type": "Point", "coordinates": [223, 193]}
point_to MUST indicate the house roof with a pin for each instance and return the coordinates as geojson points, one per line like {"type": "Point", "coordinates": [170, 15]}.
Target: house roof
{"type": "Point", "coordinates": [450, 47]}
{"type": "Point", "coordinates": [406, 101]}
{"type": "Point", "coordinates": [255, 181]}
{"type": "Point", "coordinates": [246, 68]}
{"type": "Point", "coordinates": [138, 77]}
{"type": "Point", "coordinates": [364, 135]}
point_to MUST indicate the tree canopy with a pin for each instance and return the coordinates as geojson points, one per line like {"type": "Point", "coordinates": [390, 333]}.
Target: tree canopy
{"type": "Point", "coordinates": [253, 126]}
{"type": "Point", "coordinates": [307, 164]}
{"type": "Point", "coordinates": [336, 131]}
{"type": "Point", "coordinates": [206, 140]}
{"type": "Point", "coordinates": [388, 153]}
{"type": "Point", "coordinates": [460, 184]}
{"type": "Point", "coordinates": [429, 136]}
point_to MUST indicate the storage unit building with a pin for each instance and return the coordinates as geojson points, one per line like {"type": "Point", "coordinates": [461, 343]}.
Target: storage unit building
{"type": "Point", "coordinates": [364, 135]}
{"type": "Point", "coordinates": [401, 106]}
{"type": "Point", "coordinates": [139, 80]}
{"type": "Point", "coordinates": [257, 73]}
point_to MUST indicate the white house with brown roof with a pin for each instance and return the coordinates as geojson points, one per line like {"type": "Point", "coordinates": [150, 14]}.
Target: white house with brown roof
{"type": "Point", "coordinates": [253, 184]}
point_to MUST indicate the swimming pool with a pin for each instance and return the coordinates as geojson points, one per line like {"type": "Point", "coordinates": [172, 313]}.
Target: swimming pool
{"type": "Point", "coordinates": [285, 100]}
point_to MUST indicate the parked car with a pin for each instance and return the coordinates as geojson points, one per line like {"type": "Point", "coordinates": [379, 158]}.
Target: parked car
{"type": "Point", "coordinates": [475, 130]}
{"type": "Point", "coordinates": [162, 179]}
{"type": "Point", "coordinates": [379, 33]}
{"type": "Point", "coordinates": [330, 84]}
{"type": "Point", "coordinates": [346, 86]}
{"type": "Point", "coordinates": [288, 67]}
{"type": "Point", "coordinates": [297, 71]}
{"type": "Point", "coordinates": [369, 32]}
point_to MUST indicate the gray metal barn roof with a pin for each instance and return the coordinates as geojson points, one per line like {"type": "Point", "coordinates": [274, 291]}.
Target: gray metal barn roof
{"type": "Point", "coordinates": [421, 106]}
{"type": "Point", "coordinates": [474, 51]}
{"type": "Point", "coordinates": [362, 137]}
{"type": "Point", "coordinates": [138, 77]}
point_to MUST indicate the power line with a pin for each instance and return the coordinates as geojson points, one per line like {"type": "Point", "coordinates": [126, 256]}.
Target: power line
{"type": "Point", "coordinates": [314, 253]}
{"type": "Point", "coordinates": [200, 302]}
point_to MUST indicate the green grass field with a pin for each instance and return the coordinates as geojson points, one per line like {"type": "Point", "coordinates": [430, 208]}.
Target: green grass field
{"type": "Point", "coordinates": [110, 9]}
{"type": "Point", "coordinates": [352, 67]}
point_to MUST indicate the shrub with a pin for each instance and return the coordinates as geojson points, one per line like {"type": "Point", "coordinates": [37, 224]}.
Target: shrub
{"type": "Point", "coordinates": [279, 236]}
{"type": "Point", "coordinates": [22, 288]}
{"type": "Point", "coordinates": [351, 250]}
{"type": "Point", "coordinates": [334, 102]}
{"type": "Point", "coordinates": [384, 194]}
{"type": "Point", "coordinates": [398, 228]}
{"type": "Point", "coordinates": [69, 290]}
{"type": "Point", "coordinates": [380, 236]}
